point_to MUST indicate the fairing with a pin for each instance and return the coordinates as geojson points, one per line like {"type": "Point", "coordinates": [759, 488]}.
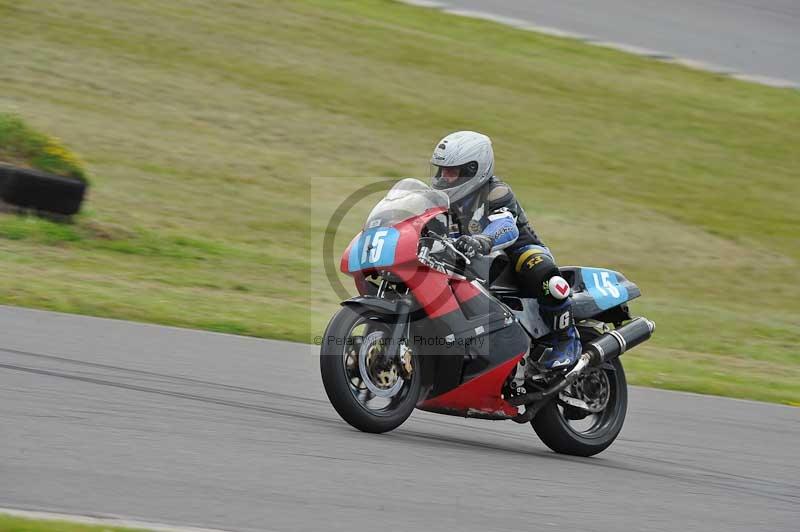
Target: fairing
{"type": "Point", "coordinates": [598, 290]}
{"type": "Point", "coordinates": [407, 198]}
{"type": "Point", "coordinates": [468, 341]}
{"type": "Point", "coordinates": [478, 397]}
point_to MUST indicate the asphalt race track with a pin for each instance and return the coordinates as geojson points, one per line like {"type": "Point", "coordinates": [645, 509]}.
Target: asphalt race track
{"type": "Point", "coordinates": [756, 37]}
{"type": "Point", "coordinates": [103, 417]}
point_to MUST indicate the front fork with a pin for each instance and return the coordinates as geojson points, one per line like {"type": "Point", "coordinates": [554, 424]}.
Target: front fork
{"type": "Point", "coordinates": [398, 349]}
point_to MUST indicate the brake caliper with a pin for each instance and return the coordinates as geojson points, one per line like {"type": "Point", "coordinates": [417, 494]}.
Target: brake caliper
{"type": "Point", "coordinates": [405, 359]}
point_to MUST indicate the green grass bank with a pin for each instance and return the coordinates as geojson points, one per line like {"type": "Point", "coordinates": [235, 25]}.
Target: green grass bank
{"type": "Point", "coordinates": [220, 138]}
{"type": "Point", "coordinates": [18, 524]}
{"type": "Point", "coordinates": [20, 145]}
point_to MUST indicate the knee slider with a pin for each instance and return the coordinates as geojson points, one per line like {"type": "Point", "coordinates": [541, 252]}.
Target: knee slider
{"type": "Point", "coordinates": [537, 267]}
{"type": "Point", "coordinates": [558, 288]}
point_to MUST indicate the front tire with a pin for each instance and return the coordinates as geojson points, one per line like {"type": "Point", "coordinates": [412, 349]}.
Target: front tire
{"type": "Point", "coordinates": [568, 430]}
{"type": "Point", "coordinates": [370, 400]}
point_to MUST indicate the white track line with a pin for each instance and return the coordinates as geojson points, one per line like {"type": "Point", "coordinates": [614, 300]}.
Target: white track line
{"type": "Point", "coordinates": [636, 50]}
{"type": "Point", "coordinates": [101, 521]}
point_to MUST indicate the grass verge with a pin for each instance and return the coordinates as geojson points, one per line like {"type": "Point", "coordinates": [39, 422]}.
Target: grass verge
{"type": "Point", "coordinates": [221, 137]}
{"type": "Point", "coordinates": [18, 524]}
{"type": "Point", "coordinates": [22, 146]}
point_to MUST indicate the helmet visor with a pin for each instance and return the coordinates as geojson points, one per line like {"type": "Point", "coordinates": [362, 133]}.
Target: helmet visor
{"type": "Point", "coordinates": [444, 177]}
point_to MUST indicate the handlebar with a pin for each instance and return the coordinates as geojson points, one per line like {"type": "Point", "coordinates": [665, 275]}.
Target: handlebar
{"type": "Point", "coordinates": [439, 264]}
{"type": "Point", "coordinates": [448, 242]}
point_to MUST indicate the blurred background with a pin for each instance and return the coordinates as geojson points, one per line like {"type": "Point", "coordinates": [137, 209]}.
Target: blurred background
{"type": "Point", "coordinates": [219, 136]}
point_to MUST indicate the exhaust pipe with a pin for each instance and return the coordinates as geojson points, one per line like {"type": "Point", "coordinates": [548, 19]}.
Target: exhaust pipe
{"type": "Point", "coordinates": [613, 343]}
{"type": "Point", "coordinates": [607, 347]}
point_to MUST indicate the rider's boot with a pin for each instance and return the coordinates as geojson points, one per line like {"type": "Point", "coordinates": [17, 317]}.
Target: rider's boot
{"type": "Point", "coordinates": [562, 347]}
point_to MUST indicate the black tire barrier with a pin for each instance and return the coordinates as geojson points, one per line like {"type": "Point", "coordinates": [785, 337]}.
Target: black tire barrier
{"type": "Point", "coordinates": [41, 191]}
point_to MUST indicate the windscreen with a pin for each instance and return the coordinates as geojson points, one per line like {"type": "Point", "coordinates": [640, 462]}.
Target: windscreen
{"type": "Point", "coordinates": [408, 197]}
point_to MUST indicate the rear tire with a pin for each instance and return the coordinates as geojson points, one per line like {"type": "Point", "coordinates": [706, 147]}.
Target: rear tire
{"type": "Point", "coordinates": [557, 431]}
{"type": "Point", "coordinates": [338, 376]}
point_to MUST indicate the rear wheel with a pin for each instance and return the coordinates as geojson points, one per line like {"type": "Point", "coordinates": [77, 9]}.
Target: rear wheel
{"type": "Point", "coordinates": [368, 394]}
{"type": "Point", "coordinates": [588, 415]}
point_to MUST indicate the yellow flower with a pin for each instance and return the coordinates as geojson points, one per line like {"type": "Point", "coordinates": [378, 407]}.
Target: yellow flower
{"type": "Point", "coordinates": [56, 149]}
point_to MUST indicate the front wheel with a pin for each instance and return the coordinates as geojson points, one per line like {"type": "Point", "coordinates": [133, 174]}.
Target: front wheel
{"type": "Point", "coordinates": [368, 394]}
{"type": "Point", "coordinates": [568, 429]}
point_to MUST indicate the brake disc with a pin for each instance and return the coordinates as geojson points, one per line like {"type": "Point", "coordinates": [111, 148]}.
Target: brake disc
{"type": "Point", "coordinates": [383, 382]}
{"type": "Point", "coordinates": [590, 392]}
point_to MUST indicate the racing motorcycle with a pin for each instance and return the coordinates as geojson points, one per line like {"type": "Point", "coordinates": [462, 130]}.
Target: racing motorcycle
{"type": "Point", "coordinates": [435, 330]}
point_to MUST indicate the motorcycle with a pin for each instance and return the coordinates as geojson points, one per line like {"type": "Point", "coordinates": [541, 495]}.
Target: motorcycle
{"type": "Point", "coordinates": [435, 330]}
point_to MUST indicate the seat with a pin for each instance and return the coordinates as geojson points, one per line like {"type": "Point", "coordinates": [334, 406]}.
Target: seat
{"type": "Point", "coordinates": [504, 285]}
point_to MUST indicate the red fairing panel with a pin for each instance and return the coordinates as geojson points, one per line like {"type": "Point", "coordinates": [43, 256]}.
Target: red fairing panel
{"type": "Point", "coordinates": [430, 288]}
{"type": "Point", "coordinates": [343, 261]}
{"type": "Point", "coordinates": [480, 394]}
{"type": "Point", "coordinates": [409, 235]}
{"type": "Point", "coordinates": [464, 290]}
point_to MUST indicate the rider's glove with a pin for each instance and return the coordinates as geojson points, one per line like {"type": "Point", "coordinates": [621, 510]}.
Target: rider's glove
{"type": "Point", "coordinates": [471, 245]}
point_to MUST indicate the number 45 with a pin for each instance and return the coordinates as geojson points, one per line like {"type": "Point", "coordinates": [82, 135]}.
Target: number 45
{"type": "Point", "coordinates": [604, 285]}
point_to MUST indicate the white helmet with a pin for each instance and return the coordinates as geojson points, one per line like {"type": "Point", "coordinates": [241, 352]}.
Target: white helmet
{"type": "Point", "coordinates": [472, 154]}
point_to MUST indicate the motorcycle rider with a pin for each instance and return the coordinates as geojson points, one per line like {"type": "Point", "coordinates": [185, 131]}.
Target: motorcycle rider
{"type": "Point", "coordinates": [490, 218]}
